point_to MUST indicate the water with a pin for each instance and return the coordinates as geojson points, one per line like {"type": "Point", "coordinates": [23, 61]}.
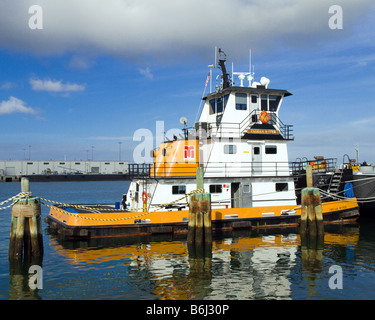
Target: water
{"type": "Point", "coordinates": [243, 265]}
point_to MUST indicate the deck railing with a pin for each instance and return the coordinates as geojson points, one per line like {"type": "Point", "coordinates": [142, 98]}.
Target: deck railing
{"type": "Point", "coordinates": [211, 169]}
{"type": "Point", "coordinates": [319, 165]}
{"type": "Point", "coordinates": [228, 129]}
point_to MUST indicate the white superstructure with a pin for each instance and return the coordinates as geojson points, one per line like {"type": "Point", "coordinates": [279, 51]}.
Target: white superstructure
{"type": "Point", "coordinates": [240, 142]}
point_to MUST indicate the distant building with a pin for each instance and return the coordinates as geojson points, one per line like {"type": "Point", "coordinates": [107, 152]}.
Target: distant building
{"type": "Point", "coordinates": [15, 168]}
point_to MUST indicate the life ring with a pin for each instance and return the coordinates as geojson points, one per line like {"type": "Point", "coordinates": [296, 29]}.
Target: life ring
{"type": "Point", "coordinates": [144, 196]}
{"type": "Point", "coordinates": [264, 117]}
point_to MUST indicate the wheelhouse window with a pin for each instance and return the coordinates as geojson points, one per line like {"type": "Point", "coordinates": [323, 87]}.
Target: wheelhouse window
{"type": "Point", "coordinates": [274, 102]}
{"type": "Point", "coordinates": [218, 105]}
{"type": "Point", "coordinates": [271, 149]}
{"type": "Point", "coordinates": [178, 189]}
{"type": "Point", "coordinates": [230, 149]}
{"type": "Point", "coordinates": [225, 98]}
{"type": "Point", "coordinates": [241, 101]}
{"type": "Point", "coordinates": [212, 106]}
{"type": "Point", "coordinates": [254, 99]}
{"type": "Point", "coordinates": [264, 102]}
{"type": "Point", "coordinates": [216, 188]}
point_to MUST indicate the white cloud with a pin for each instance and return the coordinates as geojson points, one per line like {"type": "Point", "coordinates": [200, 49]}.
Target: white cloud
{"type": "Point", "coordinates": [168, 28]}
{"type": "Point", "coordinates": [14, 105]}
{"type": "Point", "coordinates": [7, 85]}
{"type": "Point", "coordinates": [54, 86]}
{"type": "Point", "coordinates": [81, 63]}
{"type": "Point", "coordinates": [146, 72]}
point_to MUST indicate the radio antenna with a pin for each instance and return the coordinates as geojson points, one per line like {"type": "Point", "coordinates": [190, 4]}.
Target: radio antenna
{"type": "Point", "coordinates": [249, 60]}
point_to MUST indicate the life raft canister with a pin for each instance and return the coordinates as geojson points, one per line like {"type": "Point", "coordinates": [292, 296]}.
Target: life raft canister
{"type": "Point", "coordinates": [264, 117]}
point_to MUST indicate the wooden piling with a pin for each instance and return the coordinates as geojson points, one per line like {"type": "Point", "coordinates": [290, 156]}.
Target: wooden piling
{"type": "Point", "coordinates": [199, 226]}
{"type": "Point", "coordinates": [311, 212]}
{"type": "Point", "coordinates": [309, 176]}
{"type": "Point", "coordinates": [26, 230]}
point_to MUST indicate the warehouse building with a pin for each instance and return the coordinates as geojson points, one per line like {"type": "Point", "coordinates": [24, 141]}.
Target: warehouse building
{"type": "Point", "coordinates": [13, 169]}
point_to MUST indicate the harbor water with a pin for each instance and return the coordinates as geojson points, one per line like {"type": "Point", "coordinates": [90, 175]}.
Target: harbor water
{"type": "Point", "coordinates": [244, 265]}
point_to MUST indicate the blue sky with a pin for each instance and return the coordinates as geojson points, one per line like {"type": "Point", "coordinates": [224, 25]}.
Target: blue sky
{"type": "Point", "coordinates": [100, 70]}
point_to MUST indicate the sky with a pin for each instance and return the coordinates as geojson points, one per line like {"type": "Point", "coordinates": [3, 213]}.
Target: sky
{"type": "Point", "coordinates": [80, 78]}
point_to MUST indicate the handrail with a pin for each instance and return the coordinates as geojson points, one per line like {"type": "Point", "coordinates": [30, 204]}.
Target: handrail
{"type": "Point", "coordinates": [211, 169]}
{"type": "Point", "coordinates": [321, 165]}
{"type": "Point", "coordinates": [223, 128]}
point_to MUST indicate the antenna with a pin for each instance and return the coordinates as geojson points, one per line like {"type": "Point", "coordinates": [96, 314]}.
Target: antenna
{"type": "Point", "coordinates": [183, 121]}
{"type": "Point", "coordinates": [249, 60]}
{"type": "Point", "coordinates": [215, 57]}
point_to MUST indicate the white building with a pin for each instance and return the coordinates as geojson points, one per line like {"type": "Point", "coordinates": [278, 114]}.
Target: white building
{"type": "Point", "coordinates": [29, 167]}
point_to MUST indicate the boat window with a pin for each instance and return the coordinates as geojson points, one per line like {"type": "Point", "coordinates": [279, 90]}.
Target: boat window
{"type": "Point", "coordinates": [178, 189]}
{"type": "Point", "coordinates": [254, 99]}
{"type": "Point", "coordinates": [246, 188]}
{"type": "Point", "coordinates": [271, 149]}
{"type": "Point", "coordinates": [264, 102]}
{"type": "Point", "coordinates": [230, 149]}
{"type": "Point", "coordinates": [219, 105]}
{"type": "Point", "coordinates": [281, 187]}
{"type": "Point", "coordinates": [226, 97]}
{"type": "Point", "coordinates": [274, 102]}
{"type": "Point", "coordinates": [256, 150]}
{"type": "Point", "coordinates": [216, 188]}
{"type": "Point", "coordinates": [241, 101]}
{"type": "Point", "coordinates": [213, 106]}
{"type": "Point", "coordinates": [218, 119]}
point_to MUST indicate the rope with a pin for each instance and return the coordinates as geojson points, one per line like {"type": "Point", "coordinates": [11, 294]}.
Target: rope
{"type": "Point", "coordinates": [114, 219]}
{"type": "Point", "coordinates": [342, 198]}
{"type": "Point", "coordinates": [94, 219]}
{"type": "Point", "coordinates": [15, 199]}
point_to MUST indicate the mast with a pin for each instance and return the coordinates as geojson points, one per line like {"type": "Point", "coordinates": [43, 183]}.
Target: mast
{"type": "Point", "coordinates": [221, 63]}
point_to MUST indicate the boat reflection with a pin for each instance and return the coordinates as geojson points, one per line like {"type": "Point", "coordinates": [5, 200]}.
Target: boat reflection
{"type": "Point", "coordinates": [238, 265]}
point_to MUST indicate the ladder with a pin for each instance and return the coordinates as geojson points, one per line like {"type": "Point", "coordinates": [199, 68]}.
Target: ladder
{"type": "Point", "coordinates": [334, 185]}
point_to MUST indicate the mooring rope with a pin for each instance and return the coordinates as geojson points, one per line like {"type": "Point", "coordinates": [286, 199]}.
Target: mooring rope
{"type": "Point", "coordinates": [15, 199]}
{"type": "Point", "coordinates": [112, 210]}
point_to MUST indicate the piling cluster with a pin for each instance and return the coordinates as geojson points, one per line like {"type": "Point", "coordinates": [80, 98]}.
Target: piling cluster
{"type": "Point", "coordinates": [311, 212]}
{"type": "Point", "coordinates": [26, 238]}
{"type": "Point", "coordinates": [311, 208]}
{"type": "Point", "coordinates": [199, 226]}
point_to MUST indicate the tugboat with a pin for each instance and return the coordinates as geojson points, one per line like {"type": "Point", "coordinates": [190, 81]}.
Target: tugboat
{"type": "Point", "coordinates": [240, 143]}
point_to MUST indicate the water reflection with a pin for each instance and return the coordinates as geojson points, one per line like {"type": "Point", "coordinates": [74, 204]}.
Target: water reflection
{"type": "Point", "coordinates": [241, 265]}
{"type": "Point", "coordinates": [19, 278]}
{"type": "Point", "coordinates": [312, 247]}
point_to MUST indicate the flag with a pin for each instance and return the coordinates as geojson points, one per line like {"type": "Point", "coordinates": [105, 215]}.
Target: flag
{"type": "Point", "coordinates": [208, 78]}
